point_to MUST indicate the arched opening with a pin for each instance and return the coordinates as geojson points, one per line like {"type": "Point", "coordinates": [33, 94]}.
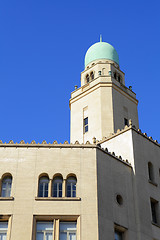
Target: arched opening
{"type": "Point", "coordinates": [119, 78]}
{"type": "Point", "coordinates": [71, 186]}
{"type": "Point", "coordinates": [6, 186]}
{"type": "Point", "coordinates": [57, 186]}
{"type": "Point", "coordinates": [43, 186]}
{"type": "Point", "coordinates": [87, 78]}
{"type": "Point", "coordinates": [115, 75]}
{"type": "Point", "coordinates": [92, 75]}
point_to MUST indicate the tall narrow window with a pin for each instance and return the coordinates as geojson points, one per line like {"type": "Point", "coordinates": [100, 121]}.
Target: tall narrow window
{"type": "Point", "coordinates": [115, 75]}
{"type": "Point", "coordinates": [68, 231]}
{"type": "Point", "coordinates": [118, 235]}
{"type": "Point", "coordinates": [154, 210]}
{"type": "Point", "coordinates": [92, 75]}
{"type": "Point", "coordinates": [150, 171]}
{"type": "Point", "coordinates": [43, 187]}
{"type": "Point", "coordinates": [6, 187]}
{"type": "Point", "coordinates": [71, 187]}
{"type": "Point", "coordinates": [119, 78]}
{"type": "Point", "coordinates": [87, 78]}
{"type": "Point", "coordinates": [125, 121]}
{"type": "Point", "coordinates": [44, 231]}
{"type": "Point", "coordinates": [85, 123]}
{"type": "Point", "coordinates": [57, 187]}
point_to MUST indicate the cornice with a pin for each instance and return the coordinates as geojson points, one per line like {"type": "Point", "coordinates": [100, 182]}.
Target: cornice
{"type": "Point", "coordinates": [44, 144]}
{"type": "Point", "coordinates": [98, 85]}
{"type": "Point", "coordinates": [125, 129]}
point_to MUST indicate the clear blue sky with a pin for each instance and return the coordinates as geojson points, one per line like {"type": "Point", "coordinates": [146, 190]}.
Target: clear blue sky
{"type": "Point", "coordinates": [42, 49]}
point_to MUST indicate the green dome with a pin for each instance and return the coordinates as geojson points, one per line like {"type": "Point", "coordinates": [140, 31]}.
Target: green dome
{"type": "Point", "coordinates": [101, 50]}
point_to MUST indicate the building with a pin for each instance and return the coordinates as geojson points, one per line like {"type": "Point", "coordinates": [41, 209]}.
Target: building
{"type": "Point", "coordinates": [105, 184]}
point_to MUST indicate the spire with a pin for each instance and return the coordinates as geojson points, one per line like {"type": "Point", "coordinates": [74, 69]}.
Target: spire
{"type": "Point", "coordinates": [100, 38]}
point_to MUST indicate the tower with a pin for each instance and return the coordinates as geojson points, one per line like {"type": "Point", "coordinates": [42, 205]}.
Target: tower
{"type": "Point", "coordinates": [103, 103]}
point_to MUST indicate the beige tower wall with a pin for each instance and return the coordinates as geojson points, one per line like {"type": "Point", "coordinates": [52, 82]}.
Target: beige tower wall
{"type": "Point", "coordinates": [108, 102]}
{"type": "Point", "coordinates": [100, 115]}
{"type": "Point", "coordinates": [123, 107]}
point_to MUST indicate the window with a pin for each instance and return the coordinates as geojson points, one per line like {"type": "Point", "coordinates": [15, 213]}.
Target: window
{"type": "Point", "coordinates": [44, 231]}
{"type": "Point", "coordinates": [119, 199]}
{"type": "Point", "coordinates": [92, 75]}
{"type": "Point", "coordinates": [150, 171]}
{"type": "Point", "coordinates": [115, 75]}
{"type": "Point", "coordinates": [71, 187]}
{"type": "Point", "coordinates": [119, 78]}
{"type": "Point", "coordinates": [125, 121]}
{"type": "Point", "coordinates": [50, 229]}
{"type": "Point", "coordinates": [57, 187]}
{"type": "Point", "coordinates": [85, 123]}
{"type": "Point", "coordinates": [6, 186]}
{"type": "Point", "coordinates": [67, 231]}
{"type": "Point", "coordinates": [43, 187]}
{"type": "Point", "coordinates": [118, 235]}
{"type": "Point", "coordinates": [87, 78]}
{"type": "Point", "coordinates": [3, 230]}
{"type": "Point", "coordinates": [154, 210]}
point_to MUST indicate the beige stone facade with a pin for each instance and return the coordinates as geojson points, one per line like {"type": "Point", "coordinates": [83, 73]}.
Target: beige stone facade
{"type": "Point", "coordinates": [105, 184]}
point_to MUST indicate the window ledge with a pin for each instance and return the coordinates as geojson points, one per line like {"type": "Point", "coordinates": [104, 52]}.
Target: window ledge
{"type": "Point", "coordinates": [6, 198]}
{"type": "Point", "coordinates": [155, 224]}
{"type": "Point", "coordinates": [153, 183]}
{"type": "Point", "coordinates": [57, 198]}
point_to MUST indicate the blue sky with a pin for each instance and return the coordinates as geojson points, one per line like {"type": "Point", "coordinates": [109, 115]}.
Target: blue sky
{"type": "Point", "coordinates": [42, 49]}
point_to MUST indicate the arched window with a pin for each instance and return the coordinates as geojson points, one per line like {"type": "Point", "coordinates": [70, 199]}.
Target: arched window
{"type": "Point", "coordinates": [87, 78]}
{"type": "Point", "coordinates": [6, 186]}
{"type": "Point", "coordinates": [150, 171]}
{"type": "Point", "coordinates": [119, 78]}
{"type": "Point", "coordinates": [43, 187]}
{"type": "Point", "coordinates": [92, 75]}
{"type": "Point", "coordinates": [57, 187]}
{"type": "Point", "coordinates": [71, 187]}
{"type": "Point", "coordinates": [115, 75]}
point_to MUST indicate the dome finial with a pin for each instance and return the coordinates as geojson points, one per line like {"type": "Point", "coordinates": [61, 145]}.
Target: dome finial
{"type": "Point", "coordinates": [100, 37]}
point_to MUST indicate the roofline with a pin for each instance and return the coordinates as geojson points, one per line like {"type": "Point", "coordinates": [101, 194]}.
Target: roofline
{"type": "Point", "coordinates": [127, 128]}
{"type": "Point", "coordinates": [33, 144]}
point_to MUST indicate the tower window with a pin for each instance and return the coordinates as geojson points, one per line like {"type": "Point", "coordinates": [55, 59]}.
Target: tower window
{"type": "Point", "coordinates": [115, 75]}
{"type": "Point", "coordinates": [119, 78]}
{"type": "Point", "coordinates": [85, 123]}
{"type": "Point", "coordinates": [87, 78]}
{"type": "Point", "coordinates": [92, 75]}
{"type": "Point", "coordinates": [125, 121]}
